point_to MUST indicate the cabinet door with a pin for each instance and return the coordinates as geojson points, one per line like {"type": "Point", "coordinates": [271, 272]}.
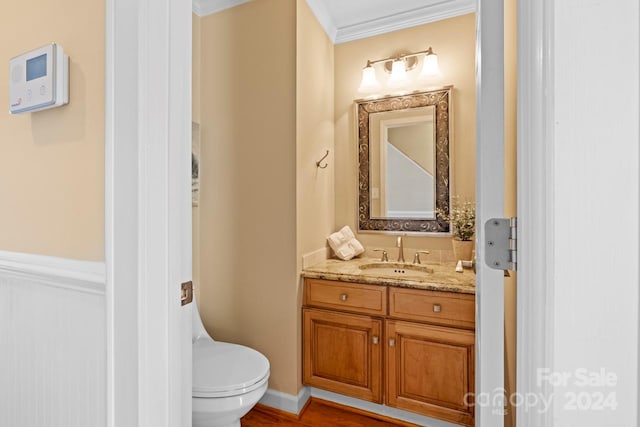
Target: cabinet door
{"type": "Point", "coordinates": [430, 370]}
{"type": "Point", "coordinates": [342, 353]}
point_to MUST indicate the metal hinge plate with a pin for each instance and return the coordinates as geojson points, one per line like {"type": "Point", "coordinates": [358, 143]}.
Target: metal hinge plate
{"type": "Point", "coordinates": [186, 295]}
{"type": "Point", "coordinates": [501, 241]}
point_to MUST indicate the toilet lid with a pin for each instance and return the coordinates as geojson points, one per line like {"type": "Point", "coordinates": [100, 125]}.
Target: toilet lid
{"type": "Point", "coordinates": [223, 369]}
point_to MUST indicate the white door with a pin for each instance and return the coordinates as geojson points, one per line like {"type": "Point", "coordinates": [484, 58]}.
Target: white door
{"type": "Point", "coordinates": [577, 312]}
{"type": "Point", "coordinates": [489, 204]}
{"type": "Point", "coordinates": [148, 212]}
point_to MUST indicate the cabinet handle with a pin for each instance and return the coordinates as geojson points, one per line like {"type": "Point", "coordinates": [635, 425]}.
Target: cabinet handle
{"type": "Point", "coordinates": [374, 340]}
{"type": "Point", "coordinates": [437, 308]}
{"type": "Point", "coordinates": [343, 297]}
{"type": "Point", "coordinates": [392, 342]}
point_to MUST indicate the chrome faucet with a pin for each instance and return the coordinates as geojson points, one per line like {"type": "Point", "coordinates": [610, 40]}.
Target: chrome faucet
{"type": "Point", "coordinates": [400, 249]}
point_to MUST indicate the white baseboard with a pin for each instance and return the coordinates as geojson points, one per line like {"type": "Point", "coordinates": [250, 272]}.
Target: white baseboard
{"type": "Point", "coordinates": [375, 408]}
{"type": "Point", "coordinates": [294, 404]}
{"type": "Point", "coordinates": [286, 402]}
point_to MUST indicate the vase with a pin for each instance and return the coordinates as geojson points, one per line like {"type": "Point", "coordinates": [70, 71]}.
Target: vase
{"type": "Point", "coordinates": [462, 249]}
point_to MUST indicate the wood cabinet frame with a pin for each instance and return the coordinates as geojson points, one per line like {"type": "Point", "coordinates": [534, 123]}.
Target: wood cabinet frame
{"type": "Point", "coordinates": [343, 353]}
{"type": "Point", "coordinates": [449, 361]}
{"type": "Point", "coordinates": [411, 349]}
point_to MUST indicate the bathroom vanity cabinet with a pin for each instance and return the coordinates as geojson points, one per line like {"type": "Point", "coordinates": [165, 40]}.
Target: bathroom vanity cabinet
{"type": "Point", "coordinates": [343, 326]}
{"type": "Point", "coordinates": [412, 349]}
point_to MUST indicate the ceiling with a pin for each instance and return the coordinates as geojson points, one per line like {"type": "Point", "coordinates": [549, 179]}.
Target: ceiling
{"type": "Point", "coordinates": [348, 20]}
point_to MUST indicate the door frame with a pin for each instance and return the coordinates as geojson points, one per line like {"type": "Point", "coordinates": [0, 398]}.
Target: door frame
{"type": "Point", "coordinates": [147, 211]}
{"type": "Point", "coordinates": [535, 164]}
{"type": "Point", "coordinates": [535, 213]}
{"type": "Point", "coordinates": [136, 99]}
{"type": "Point", "coordinates": [489, 373]}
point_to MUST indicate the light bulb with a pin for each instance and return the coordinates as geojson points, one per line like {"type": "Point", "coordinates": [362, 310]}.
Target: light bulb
{"type": "Point", "coordinates": [369, 83]}
{"type": "Point", "coordinates": [398, 76]}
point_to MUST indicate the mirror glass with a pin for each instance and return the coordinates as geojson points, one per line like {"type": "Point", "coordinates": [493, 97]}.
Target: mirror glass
{"type": "Point", "coordinates": [404, 162]}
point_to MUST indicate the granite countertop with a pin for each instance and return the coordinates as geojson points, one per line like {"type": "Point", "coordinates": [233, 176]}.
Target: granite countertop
{"type": "Point", "coordinates": [444, 277]}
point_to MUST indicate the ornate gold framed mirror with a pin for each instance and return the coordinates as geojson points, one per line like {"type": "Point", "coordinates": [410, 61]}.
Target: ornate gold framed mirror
{"type": "Point", "coordinates": [404, 162]}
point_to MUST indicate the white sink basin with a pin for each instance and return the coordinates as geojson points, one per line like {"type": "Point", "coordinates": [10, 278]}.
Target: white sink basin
{"type": "Point", "coordinates": [396, 269]}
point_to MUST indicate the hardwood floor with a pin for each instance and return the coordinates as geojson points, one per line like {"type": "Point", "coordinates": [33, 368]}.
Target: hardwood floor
{"type": "Point", "coordinates": [318, 413]}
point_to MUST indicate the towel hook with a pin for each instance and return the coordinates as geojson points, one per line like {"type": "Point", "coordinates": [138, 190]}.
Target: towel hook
{"type": "Point", "coordinates": [320, 161]}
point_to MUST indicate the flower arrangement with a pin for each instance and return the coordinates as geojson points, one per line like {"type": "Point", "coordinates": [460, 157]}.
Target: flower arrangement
{"type": "Point", "coordinates": [462, 216]}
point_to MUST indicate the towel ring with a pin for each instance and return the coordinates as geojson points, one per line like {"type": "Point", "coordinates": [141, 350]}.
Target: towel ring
{"type": "Point", "coordinates": [318, 163]}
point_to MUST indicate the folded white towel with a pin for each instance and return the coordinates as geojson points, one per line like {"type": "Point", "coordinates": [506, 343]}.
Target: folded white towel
{"type": "Point", "coordinates": [336, 240]}
{"type": "Point", "coordinates": [345, 252]}
{"type": "Point", "coordinates": [347, 233]}
{"type": "Point", "coordinates": [356, 246]}
{"type": "Point", "coordinates": [344, 244]}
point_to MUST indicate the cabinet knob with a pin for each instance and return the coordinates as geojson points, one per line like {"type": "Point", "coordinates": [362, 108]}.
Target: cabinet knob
{"type": "Point", "coordinates": [374, 340]}
{"type": "Point", "coordinates": [437, 308]}
{"type": "Point", "coordinates": [392, 342]}
{"type": "Point", "coordinates": [343, 297]}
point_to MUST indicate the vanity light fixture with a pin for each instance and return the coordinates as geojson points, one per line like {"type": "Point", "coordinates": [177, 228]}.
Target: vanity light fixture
{"type": "Point", "coordinates": [398, 78]}
{"type": "Point", "coordinates": [430, 67]}
{"type": "Point", "coordinates": [398, 67]}
{"type": "Point", "coordinates": [369, 83]}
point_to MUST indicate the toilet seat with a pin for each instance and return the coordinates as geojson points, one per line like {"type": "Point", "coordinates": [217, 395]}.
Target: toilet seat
{"type": "Point", "coordinates": [222, 369]}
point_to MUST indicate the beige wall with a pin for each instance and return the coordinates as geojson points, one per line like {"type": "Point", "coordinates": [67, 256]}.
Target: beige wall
{"type": "Point", "coordinates": [52, 162]}
{"type": "Point", "coordinates": [510, 141]}
{"type": "Point", "coordinates": [408, 139]}
{"type": "Point", "coordinates": [265, 106]}
{"type": "Point", "coordinates": [454, 42]}
{"type": "Point", "coordinates": [315, 135]}
{"type": "Point", "coordinates": [248, 207]}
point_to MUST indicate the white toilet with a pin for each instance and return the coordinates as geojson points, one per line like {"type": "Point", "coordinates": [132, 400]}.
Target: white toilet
{"type": "Point", "coordinates": [228, 379]}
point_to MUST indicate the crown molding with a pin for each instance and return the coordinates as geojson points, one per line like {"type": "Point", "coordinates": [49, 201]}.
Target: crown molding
{"type": "Point", "coordinates": [208, 7]}
{"type": "Point", "coordinates": [422, 15]}
{"type": "Point", "coordinates": [324, 17]}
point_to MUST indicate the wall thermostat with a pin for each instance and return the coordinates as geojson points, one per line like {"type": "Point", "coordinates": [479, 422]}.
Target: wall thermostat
{"type": "Point", "coordinates": [38, 80]}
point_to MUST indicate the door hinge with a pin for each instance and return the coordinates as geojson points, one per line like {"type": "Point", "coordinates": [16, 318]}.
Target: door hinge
{"type": "Point", "coordinates": [186, 294]}
{"type": "Point", "coordinates": [501, 243]}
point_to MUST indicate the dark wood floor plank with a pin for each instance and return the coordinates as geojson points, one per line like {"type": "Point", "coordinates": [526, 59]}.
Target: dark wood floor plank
{"type": "Point", "coordinates": [318, 413]}
{"type": "Point", "coordinates": [265, 416]}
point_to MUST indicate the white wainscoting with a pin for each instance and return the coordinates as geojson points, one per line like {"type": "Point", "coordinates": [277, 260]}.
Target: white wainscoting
{"type": "Point", "coordinates": [52, 342]}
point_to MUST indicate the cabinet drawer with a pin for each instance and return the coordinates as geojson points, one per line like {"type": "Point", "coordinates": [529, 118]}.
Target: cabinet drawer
{"type": "Point", "coordinates": [355, 297]}
{"type": "Point", "coordinates": [443, 308]}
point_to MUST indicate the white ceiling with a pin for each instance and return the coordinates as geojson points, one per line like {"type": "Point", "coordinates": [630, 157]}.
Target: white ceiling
{"type": "Point", "coordinates": [207, 7]}
{"type": "Point", "coordinates": [347, 20]}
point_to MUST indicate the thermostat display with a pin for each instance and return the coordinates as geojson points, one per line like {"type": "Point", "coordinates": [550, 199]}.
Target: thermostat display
{"type": "Point", "coordinates": [39, 80]}
{"type": "Point", "coordinates": [36, 67]}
